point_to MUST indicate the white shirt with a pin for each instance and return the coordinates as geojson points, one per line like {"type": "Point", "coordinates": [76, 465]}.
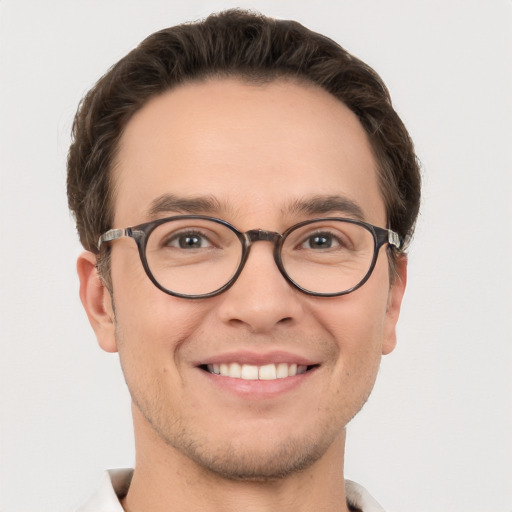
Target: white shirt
{"type": "Point", "coordinates": [115, 484]}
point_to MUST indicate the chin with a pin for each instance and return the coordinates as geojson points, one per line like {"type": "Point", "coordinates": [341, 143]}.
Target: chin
{"type": "Point", "coordinates": [251, 456]}
{"type": "Point", "coordinates": [236, 462]}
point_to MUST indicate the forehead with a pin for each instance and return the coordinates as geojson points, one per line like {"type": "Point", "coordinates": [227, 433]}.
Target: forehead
{"type": "Point", "coordinates": [254, 149]}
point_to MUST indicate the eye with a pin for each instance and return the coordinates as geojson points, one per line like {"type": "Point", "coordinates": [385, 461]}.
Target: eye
{"type": "Point", "coordinates": [188, 240]}
{"type": "Point", "coordinates": [323, 240]}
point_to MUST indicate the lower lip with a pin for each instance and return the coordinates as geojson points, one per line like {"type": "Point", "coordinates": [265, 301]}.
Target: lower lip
{"type": "Point", "coordinates": [258, 389]}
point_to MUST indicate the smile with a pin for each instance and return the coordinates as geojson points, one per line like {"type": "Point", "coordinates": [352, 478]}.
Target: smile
{"type": "Point", "coordinates": [253, 372]}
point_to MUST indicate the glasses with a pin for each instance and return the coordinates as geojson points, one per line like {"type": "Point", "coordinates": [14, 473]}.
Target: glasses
{"type": "Point", "coordinates": [195, 256]}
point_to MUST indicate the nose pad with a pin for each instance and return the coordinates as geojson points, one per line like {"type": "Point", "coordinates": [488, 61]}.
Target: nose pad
{"type": "Point", "coordinates": [261, 298]}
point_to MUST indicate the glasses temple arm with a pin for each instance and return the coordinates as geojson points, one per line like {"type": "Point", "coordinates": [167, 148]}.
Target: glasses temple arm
{"type": "Point", "coordinates": [112, 234]}
{"type": "Point", "coordinates": [394, 239]}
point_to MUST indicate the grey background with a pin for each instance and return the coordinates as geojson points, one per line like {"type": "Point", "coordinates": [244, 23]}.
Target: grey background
{"type": "Point", "coordinates": [436, 433]}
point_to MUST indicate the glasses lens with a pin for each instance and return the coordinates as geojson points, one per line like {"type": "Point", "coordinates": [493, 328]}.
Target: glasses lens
{"type": "Point", "coordinates": [328, 256]}
{"type": "Point", "coordinates": [193, 256]}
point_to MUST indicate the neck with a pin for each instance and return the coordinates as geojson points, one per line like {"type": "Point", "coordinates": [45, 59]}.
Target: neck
{"type": "Point", "coordinates": [164, 478]}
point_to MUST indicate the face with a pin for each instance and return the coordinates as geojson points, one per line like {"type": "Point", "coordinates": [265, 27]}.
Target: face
{"type": "Point", "coordinates": [252, 153]}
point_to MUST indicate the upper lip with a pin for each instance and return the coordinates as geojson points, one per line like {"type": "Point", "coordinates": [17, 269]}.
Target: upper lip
{"type": "Point", "coordinates": [258, 359]}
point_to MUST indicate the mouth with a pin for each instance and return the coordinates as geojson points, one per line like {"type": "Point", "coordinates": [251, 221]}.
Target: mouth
{"type": "Point", "coordinates": [271, 371]}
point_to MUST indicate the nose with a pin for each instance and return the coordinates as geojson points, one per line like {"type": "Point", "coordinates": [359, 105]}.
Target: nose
{"type": "Point", "coordinates": [261, 299]}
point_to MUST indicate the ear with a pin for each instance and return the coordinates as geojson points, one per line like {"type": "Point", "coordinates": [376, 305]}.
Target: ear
{"type": "Point", "coordinates": [396, 294]}
{"type": "Point", "coordinates": [97, 302]}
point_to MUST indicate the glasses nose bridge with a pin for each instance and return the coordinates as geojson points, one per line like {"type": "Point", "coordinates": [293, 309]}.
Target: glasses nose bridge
{"type": "Point", "coordinates": [260, 235]}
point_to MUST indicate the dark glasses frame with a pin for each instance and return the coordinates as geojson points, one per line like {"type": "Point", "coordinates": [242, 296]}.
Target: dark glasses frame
{"type": "Point", "coordinates": [141, 233]}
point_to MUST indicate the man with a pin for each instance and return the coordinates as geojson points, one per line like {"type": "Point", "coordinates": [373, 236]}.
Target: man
{"type": "Point", "coordinates": [245, 192]}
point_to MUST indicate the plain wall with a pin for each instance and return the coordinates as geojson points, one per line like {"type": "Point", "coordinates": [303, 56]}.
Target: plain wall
{"type": "Point", "coordinates": [436, 433]}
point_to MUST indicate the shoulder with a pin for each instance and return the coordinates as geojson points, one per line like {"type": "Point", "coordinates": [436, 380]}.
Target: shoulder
{"type": "Point", "coordinates": [360, 499]}
{"type": "Point", "coordinates": [113, 486]}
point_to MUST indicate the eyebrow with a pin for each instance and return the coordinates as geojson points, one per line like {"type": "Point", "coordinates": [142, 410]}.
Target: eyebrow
{"type": "Point", "coordinates": [167, 203]}
{"type": "Point", "coordinates": [322, 205]}
{"type": "Point", "coordinates": [316, 205]}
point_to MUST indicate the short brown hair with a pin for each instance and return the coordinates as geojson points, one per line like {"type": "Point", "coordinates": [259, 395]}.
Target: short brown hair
{"type": "Point", "coordinates": [253, 47]}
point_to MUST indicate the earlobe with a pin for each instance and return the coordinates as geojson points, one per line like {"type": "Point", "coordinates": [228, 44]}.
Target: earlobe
{"type": "Point", "coordinates": [396, 294]}
{"type": "Point", "coordinates": [96, 301]}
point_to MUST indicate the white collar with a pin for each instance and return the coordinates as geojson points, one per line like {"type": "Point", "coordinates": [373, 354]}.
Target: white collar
{"type": "Point", "coordinates": [115, 484]}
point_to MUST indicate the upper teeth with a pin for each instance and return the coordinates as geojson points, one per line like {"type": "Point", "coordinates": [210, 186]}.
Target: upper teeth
{"type": "Point", "coordinates": [252, 372]}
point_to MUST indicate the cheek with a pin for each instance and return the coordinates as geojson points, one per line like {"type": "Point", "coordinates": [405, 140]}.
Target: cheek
{"type": "Point", "coordinates": [354, 324]}
{"type": "Point", "coordinates": [152, 333]}
{"type": "Point", "coordinates": [357, 321]}
{"type": "Point", "coordinates": [161, 324]}
{"type": "Point", "coordinates": [151, 325]}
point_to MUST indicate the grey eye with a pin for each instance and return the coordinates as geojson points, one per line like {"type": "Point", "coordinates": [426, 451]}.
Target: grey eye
{"type": "Point", "coordinates": [321, 241]}
{"type": "Point", "coordinates": [189, 240]}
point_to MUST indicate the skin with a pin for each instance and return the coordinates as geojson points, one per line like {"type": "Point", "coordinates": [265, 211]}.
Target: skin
{"type": "Point", "coordinates": [200, 445]}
